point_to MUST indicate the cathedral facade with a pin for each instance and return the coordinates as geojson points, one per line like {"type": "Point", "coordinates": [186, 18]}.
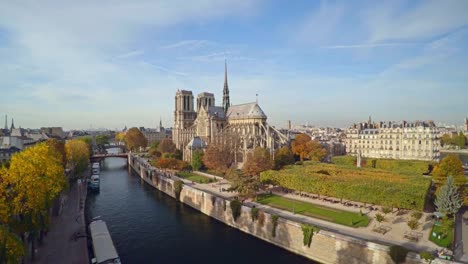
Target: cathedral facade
{"type": "Point", "coordinates": [244, 126]}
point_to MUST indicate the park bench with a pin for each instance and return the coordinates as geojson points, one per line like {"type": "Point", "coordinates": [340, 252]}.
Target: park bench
{"type": "Point", "coordinates": [382, 229]}
{"type": "Point", "coordinates": [413, 236]}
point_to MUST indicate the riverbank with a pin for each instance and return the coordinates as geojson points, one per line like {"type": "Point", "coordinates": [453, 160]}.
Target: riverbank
{"type": "Point", "coordinates": [458, 151]}
{"type": "Point", "coordinates": [61, 245]}
{"type": "Point", "coordinates": [326, 246]}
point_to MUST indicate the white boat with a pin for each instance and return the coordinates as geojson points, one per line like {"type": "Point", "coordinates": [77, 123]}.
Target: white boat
{"type": "Point", "coordinates": [104, 250]}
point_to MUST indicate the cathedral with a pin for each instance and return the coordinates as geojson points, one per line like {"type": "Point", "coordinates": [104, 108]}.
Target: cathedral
{"type": "Point", "coordinates": [244, 126]}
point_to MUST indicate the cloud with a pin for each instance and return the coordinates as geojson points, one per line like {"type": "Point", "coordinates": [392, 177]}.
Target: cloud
{"type": "Point", "coordinates": [369, 45]}
{"type": "Point", "coordinates": [130, 54]}
{"type": "Point", "coordinates": [319, 26]}
{"type": "Point", "coordinates": [188, 44]}
{"type": "Point", "coordinates": [426, 20]}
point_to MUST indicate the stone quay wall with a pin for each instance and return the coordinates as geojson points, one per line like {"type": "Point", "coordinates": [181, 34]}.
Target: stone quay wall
{"type": "Point", "coordinates": [326, 247]}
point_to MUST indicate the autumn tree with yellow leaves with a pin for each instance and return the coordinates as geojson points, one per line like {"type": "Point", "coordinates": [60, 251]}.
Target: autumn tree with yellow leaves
{"type": "Point", "coordinates": [28, 188]}
{"type": "Point", "coordinates": [77, 152]}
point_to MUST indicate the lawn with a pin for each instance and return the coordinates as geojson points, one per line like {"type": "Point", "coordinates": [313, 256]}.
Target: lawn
{"type": "Point", "coordinates": [194, 177]}
{"type": "Point", "coordinates": [446, 241]}
{"type": "Point", "coordinates": [325, 213]}
{"type": "Point", "coordinates": [367, 185]}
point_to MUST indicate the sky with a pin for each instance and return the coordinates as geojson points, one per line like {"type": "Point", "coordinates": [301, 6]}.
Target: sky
{"type": "Point", "coordinates": [82, 64]}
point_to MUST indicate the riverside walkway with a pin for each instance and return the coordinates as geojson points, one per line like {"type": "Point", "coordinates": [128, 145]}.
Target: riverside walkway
{"type": "Point", "coordinates": [61, 245]}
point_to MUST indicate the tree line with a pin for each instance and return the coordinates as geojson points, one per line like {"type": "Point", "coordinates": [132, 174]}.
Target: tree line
{"type": "Point", "coordinates": [459, 140]}
{"type": "Point", "coordinates": [29, 188]}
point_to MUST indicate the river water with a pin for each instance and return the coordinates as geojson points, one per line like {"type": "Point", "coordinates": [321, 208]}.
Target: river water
{"type": "Point", "coordinates": [148, 226]}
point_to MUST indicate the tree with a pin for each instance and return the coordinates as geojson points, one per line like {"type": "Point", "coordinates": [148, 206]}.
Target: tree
{"type": "Point", "coordinates": [120, 137]}
{"type": "Point", "coordinates": [166, 163]}
{"type": "Point", "coordinates": [88, 140]}
{"type": "Point", "coordinates": [300, 146]}
{"type": "Point", "coordinates": [246, 186]}
{"type": "Point", "coordinates": [59, 146]}
{"type": "Point", "coordinates": [77, 153]}
{"type": "Point", "coordinates": [257, 162]}
{"type": "Point", "coordinates": [449, 165]}
{"type": "Point", "coordinates": [166, 146]}
{"type": "Point", "coordinates": [379, 218]}
{"type": "Point", "coordinates": [398, 254]}
{"type": "Point", "coordinates": [134, 139]}
{"type": "Point", "coordinates": [218, 158]}
{"type": "Point", "coordinates": [283, 156]}
{"type": "Point", "coordinates": [461, 140]}
{"type": "Point", "coordinates": [317, 151]}
{"type": "Point", "coordinates": [35, 178]}
{"type": "Point", "coordinates": [413, 223]}
{"type": "Point", "coordinates": [448, 200]}
{"type": "Point", "coordinates": [197, 160]}
{"type": "Point", "coordinates": [102, 140]}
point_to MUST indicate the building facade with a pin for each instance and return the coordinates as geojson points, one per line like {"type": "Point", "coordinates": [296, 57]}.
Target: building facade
{"type": "Point", "coordinates": [394, 140]}
{"type": "Point", "coordinates": [244, 126]}
{"type": "Point", "coordinates": [153, 135]}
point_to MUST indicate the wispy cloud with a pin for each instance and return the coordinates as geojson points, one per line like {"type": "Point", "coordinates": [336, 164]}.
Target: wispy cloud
{"type": "Point", "coordinates": [426, 20]}
{"type": "Point", "coordinates": [369, 45]}
{"type": "Point", "coordinates": [130, 54]}
{"type": "Point", "coordinates": [188, 44]}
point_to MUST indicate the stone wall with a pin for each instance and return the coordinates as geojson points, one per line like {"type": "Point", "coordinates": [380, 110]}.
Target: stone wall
{"type": "Point", "coordinates": [326, 247]}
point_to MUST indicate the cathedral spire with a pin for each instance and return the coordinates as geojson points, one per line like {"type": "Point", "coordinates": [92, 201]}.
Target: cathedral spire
{"type": "Point", "coordinates": [226, 102]}
{"type": "Point", "coordinates": [6, 122]}
{"type": "Point", "coordinates": [12, 124]}
{"type": "Point", "coordinates": [160, 124]}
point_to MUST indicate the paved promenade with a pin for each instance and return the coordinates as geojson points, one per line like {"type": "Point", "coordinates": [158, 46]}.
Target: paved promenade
{"type": "Point", "coordinates": [59, 245]}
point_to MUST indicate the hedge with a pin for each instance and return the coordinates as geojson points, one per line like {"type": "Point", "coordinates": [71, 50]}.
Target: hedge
{"type": "Point", "coordinates": [410, 167]}
{"type": "Point", "coordinates": [371, 186]}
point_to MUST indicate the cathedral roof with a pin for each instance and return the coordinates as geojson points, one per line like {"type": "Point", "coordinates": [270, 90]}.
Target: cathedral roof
{"type": "Point", "coordinates": [216, 111]}
{"type": "Point", "coordinates": [249, 110]}
{"type": "Point", "coordinates": [196, 143]}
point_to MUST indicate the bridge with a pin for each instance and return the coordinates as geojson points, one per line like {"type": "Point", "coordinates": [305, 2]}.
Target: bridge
{"type": "Point", "coordinates": [108, 146]}
{"type": "Point", "coordinates": [99, 157]}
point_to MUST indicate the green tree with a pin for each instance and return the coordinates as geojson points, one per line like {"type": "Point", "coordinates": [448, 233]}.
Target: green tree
{"type": "Point", "coordinates": [398, 254]}
{"type": "Point", "coordinates": [413, 223]}
{"type": "Point", "coordinates": [283, 156]}
{"type": "Point", "coordinates": [450, 165]}
{"type": "Point", "coordinates": [300, 146]}
{"type": "Point", "coordinates": [317, 151]}
{"type": "Point", "coordinates": [134, 139]}
{"type": "Point", "coordinates": [379, 218]}
{"type": "Point", "coordinates": [102, 140]}
{"type": "Point", "coordinates": [197, 160]}
{"type": "Point", "coordinates": [236, 209]}
{"type": "Point", "coordinates": [257, 162]}
{"type": "Point", "coordinates": [461, 140]}
{"type": "Point", "coordinates": [446, 140]}
{"type": "Point", "coordinates": [448, 200]}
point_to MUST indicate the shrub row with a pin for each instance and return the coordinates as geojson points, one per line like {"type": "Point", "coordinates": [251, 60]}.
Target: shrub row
{"type": "Point", "coordinates": [411, 167]}
{"type": "Point", "coordinates": [363, 185]}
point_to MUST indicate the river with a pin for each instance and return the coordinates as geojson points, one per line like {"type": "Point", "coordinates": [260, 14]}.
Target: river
{"type": "Point", "coordinates": [147, 226]}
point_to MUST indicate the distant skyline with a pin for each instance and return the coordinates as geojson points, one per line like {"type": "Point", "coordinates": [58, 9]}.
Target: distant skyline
{"type": "Point", "coordinates": [107, 64]}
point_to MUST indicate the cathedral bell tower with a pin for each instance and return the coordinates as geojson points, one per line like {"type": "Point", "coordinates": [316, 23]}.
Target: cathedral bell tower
{"type": "Point", "coordinates": [184, 116]}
